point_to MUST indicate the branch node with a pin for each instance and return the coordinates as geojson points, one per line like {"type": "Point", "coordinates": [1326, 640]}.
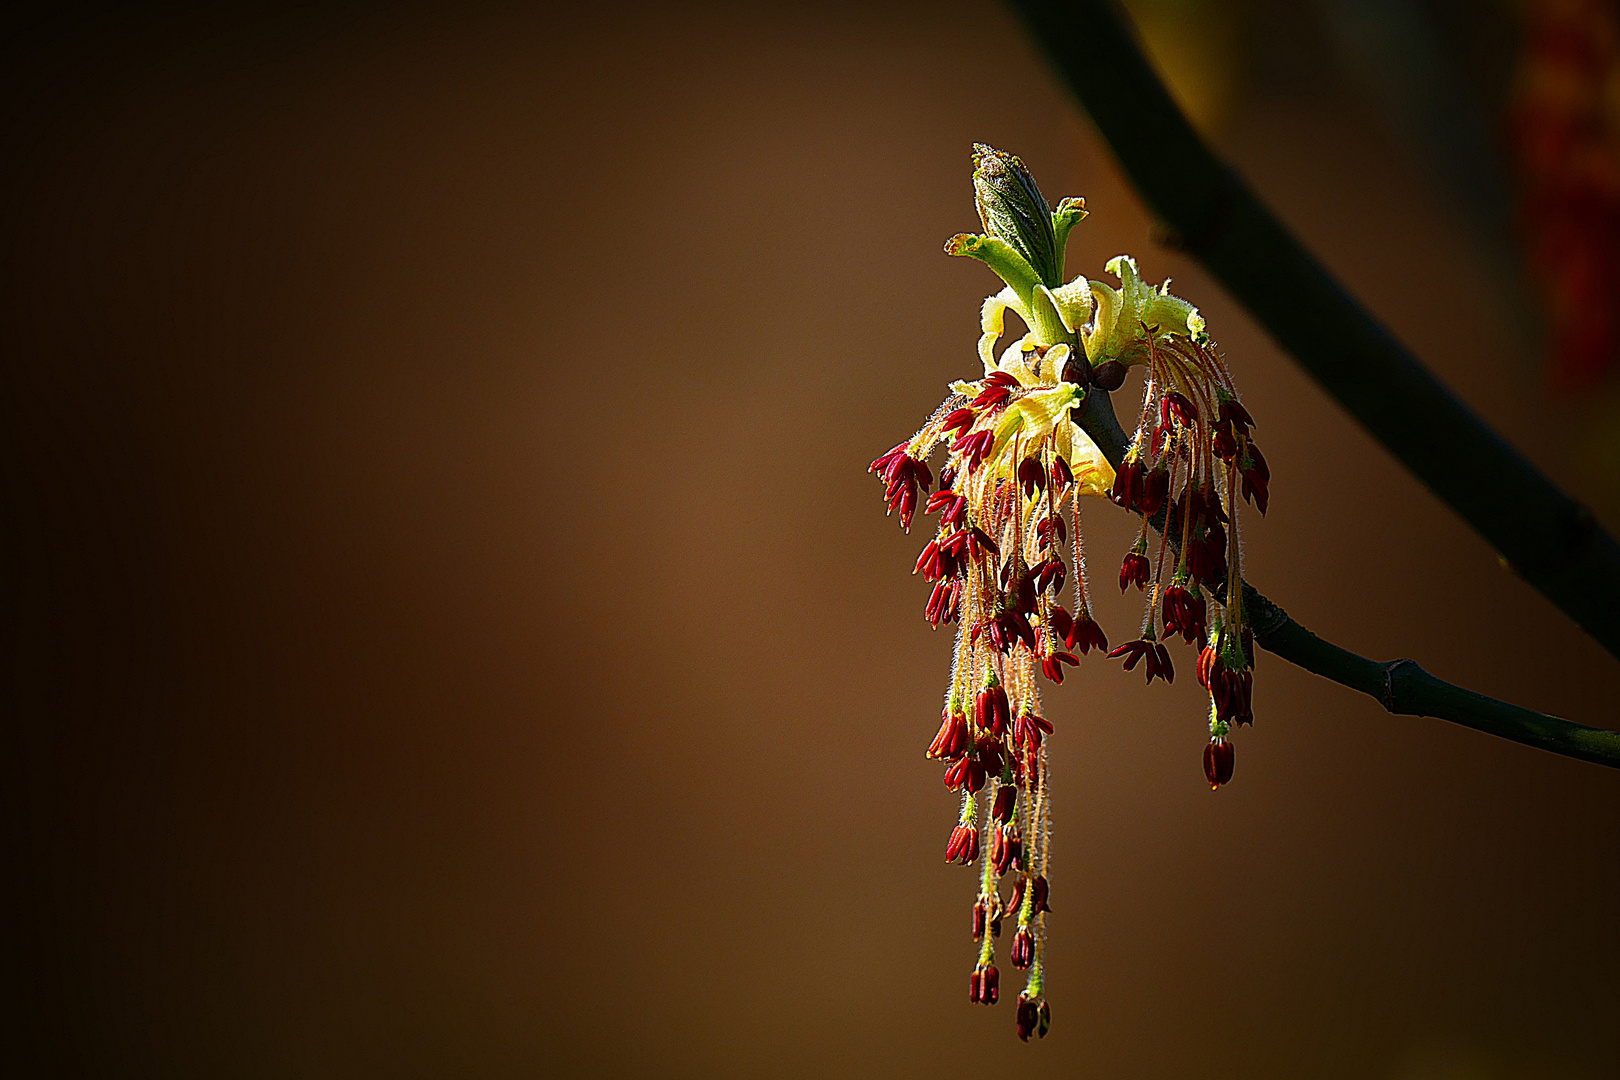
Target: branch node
{"type": "Point", "coordinates": [1391, 697]}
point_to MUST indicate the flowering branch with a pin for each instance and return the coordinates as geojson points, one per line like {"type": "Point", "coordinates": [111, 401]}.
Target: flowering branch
{"type": "Point", "coordinates": [1401, 686]}
{"type": "Point", "coordinates": [1549, 539]}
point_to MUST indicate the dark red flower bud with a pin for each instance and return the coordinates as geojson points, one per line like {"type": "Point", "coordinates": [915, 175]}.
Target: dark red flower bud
{"type": "Point", "coordinates": [981, 918]}
{"type": "Point", "coordinates": [1023, 950]}
{"type": "Point", "coordinates": [1037, 894]}
{"type": "Point", "coordinates": [1002, 379]}
{"type": "Point", "coordinates": [1028, 1013]}
{"type": "Point", "coordinates": [1218, 760]}
{"type": "Point", "coordinates": [947, 476]}
{"type": "Point", "coordinates": [1233, 413]}
{"type": "Point", "coordinates": [1005, 849]}
{"type": "Point", "coordinates": [1159, 664]}
{"type": "Point", "coordinates": [1134, 571]}
{"type": "Point", "coordinates": [1178, 406]}
{"type": "Point", "coordinates": [1061, 622]}
{"type": "Point", "coordinates": [1155, 490]}
{"type": "Point", "coordinates": [1045, 1024]}
{"type": "Point", "coordinates": [1006, 802]}
{"type": "Point", "coordinates": [1062, 475]}
{"type": "Point", "coordinates": [1128, 481]}
{"type": "Point", "coordinates": [1031, 477]}
{"type": "Point", "coordinates": [963, 847]}
{"type": "Point", "coordinates": [1085, 634]}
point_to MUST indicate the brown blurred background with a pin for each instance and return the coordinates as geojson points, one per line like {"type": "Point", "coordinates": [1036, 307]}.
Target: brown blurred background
{"type": "Point", "coordinates": [449, 631]}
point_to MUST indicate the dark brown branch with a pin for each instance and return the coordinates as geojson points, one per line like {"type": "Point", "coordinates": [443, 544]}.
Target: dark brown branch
{"type": "Point", "coordinates": [1551, 540]}
{"type": "Point", "coordinates": [1401, 686]}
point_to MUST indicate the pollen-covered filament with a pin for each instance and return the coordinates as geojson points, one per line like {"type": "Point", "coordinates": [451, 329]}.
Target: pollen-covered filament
{"type": "Point", "coordinates": [1014, 467]}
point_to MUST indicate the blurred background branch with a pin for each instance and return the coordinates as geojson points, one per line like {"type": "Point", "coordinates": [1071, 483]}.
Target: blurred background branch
{"type": "Point", "coordinates": [1547, 537]}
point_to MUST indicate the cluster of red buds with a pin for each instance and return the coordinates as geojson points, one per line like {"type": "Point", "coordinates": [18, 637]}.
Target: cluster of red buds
{"type": "Point", "coordinates": [1190, 461]}
{"type": "Point", "coordinates": [1006, 562]}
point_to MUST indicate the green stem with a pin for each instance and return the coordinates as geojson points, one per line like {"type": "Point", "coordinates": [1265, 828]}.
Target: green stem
{"type": "Point", "coordinates": [1547, 537]}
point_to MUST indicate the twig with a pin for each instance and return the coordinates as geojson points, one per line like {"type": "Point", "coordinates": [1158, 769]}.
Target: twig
{"type": "Point", "coordinates": [1400, 686]}
{"type": "Point", "coordinates": [1547, 537]}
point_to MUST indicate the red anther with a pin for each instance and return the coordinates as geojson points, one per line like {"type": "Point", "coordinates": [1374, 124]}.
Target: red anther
{"type": "Point", "coordinates": [990, 755]}
{"type": "Point", "coordinates": [1208, 657]}
{"type": "Point", "coordinates": [1062, 475]}
{"type": "Point", "coordinates": [1029, 729]}
{"type": "Point", "coordinates": [960, 420]}
{"type": "Point", "coordinates": [1050, 525]}
{"type": "Point", "coordinates": [1085, 635]}
{"type": "Point", "coordinates": [1062, 623]}
{"type": "Point", "coordinates": [1038, 891]}
{"type": "Point", "coordinates": [1134, 571]}
{"type": "Point", "coordinates": [979, 542]}
{"type": "Point", "coordinates": [1017, 900]}
{"type": "Point", "coordinates": [1024, 594]}
{"type": "Point", "coordinates": [1019, 625]}
{"type": "Point", "coordinates": [965, 772]}
{"type": "Point", "coordinates": [991, 397]}
{"type": "Point", "coordinates": [908, 507]}
{"type": "Point", "coordinates": [1023, 955]}
{"type": "Point", "coordinates": [985, 985]}
{"type": "Point", "coordinates": [1000, 851]}
{"type": "Point", "coordinates": [1257, 463]}
{"type": "Point", "coordinates": [953, 604]}
{"type": "Point", "coordinates": [922, 473]}
{"type": "Point", "coordinates": [1045, 1024]}
{"type": "Point", "coordinates": [1177, 405]}
{"type": "Point", "coordinates": [936, 602]}
{"type": "Point", "coordinates": [1055, 574]}
{"type": "Point", "coordinates": [963, 847]}
{"type": "Point", "coordinates": [1232, 692]}
{"type": "Point", "coordinates": [1205, 507]}
{"type": "Point", "coordinates": [1233, 412]}
{"type": "Point", "coordinates": [981, 918]}
{"type": "Point", "coordinates": [956, 543]}
{"type": "Point", "coordinates": [1006, 802]}
{"type": "Point", "coordinates": [1028, 1013]}
{"type": "Point", "coordinates": [1002, 378]}
{"type": "Point", "coordinates": [996, 710]}
{"type": "Point", "coordinates": [1224, 444]}
{"type": "Point", "coordinates": [953, 740]}
{"type": "Point", "coordinates": [1052, 666]}
{"type": "Point", "coordinates": [1133, 652]}
{"type": "Point", "coordinates": [1159, 664]}
{"type": "Point", "coordinates": [930, 554]}
{"type": "Point", "coordinates": [1127, 491]}
{"type": "Point", "coordinates": [947, 476]}
{"type": "Point", "coordinates": [1031, 477]}
{"type": "Point", "coordinates": [942, 498]}
{"type": "Point", "coordinates": [1183, 612]}
{"type": "Point", "coordinates": [883, 460]}
{"type": "Point", "coordinates": [1155, 490]}
{"type": "Point", "coordinates": [1218, 760]}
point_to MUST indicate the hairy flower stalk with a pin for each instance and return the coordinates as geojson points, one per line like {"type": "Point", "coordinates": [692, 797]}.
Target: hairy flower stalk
{"type": "Point", "coordinates": [1014, 468]}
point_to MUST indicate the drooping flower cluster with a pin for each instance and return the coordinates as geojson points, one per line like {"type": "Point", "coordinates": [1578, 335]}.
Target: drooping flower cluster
{"type": "Point", "coordinates": [1008, 550]}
